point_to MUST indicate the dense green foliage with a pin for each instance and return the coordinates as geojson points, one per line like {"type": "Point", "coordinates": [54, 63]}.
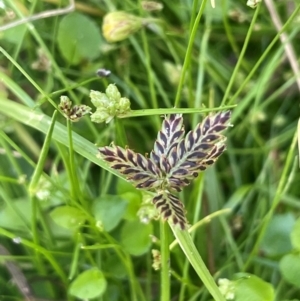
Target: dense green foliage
{"type": "Point", "coordinates": [71, 227]}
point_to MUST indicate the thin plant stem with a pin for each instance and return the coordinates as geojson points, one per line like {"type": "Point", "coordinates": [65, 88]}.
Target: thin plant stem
{"type": "Point", "coordinates": [127, 261]}
{"type": "Point", "coordinates": [188, 247]}
{"type": "Point", "coordinates": [75, 258]}
{"type": "Point", "coordinates": [56, 267]}
{"type": "Point", "coordinates": [57, 70]}
{"type": "Point", "coordinates": [263, 56]}
{"type": "Point", "coordinates": [148, 288]}
{"type": "Point", "coordinates": [134, 284]}
{"type": "Point", "coordinates": [193, 15]}
{"type": "Point", "coordinates": [165, 262]}
{"type": "Point", "coordinates": [158, 84]}
{"type": "Point", "coordinates": [201, 69]}
{"type": "Point", "coordinates": [230, 36]}
{"type": "Point", "coordinates": [43, 157]}
{"type": "Point", "coordinates": [11, 205]}
{"type": "Point", "coordinates": [197, 210]}
{"type": "Point", "coordinates": [205, 220]}
{"type": "Point", "coordinates": [277, 198]}
{"type": "Point", "coordinates": [121, 138]}
{"type": "Point", "coordinates": [14, 88]}
{"type": "Point", "coordinates": [42, 15]}
{"type": "Point", "coordinates": [17, 276]}
{"type": "Point", "coordinates": [149, 70]}
{"type": "Point", "coordinates": [11, 158]}
{"type": "Point", "coordinates": [187, 58]}
{"type": "Point", "coordinates": [150, 75]}
{"type": "Point", "coordinates": [18, 66]}
{"type": "Point", "coordinates": [241, 56]}
{"type": "Point", "coordinates": [34, 201]}
{"type": "Point", "coordinates": [289, 50]}
{"type": "Point", "coordinates": [75, 191]}
{"type": "Point", "coordinates": [27, 140]}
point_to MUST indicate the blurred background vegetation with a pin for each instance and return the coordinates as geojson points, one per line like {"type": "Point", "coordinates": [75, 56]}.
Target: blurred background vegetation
{"type": "Point", "coordinates": [71, 217]}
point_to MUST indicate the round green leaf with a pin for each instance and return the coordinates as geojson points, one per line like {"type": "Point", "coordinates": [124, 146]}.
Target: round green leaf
{"type": "Point", "coordinates": [68, 217]}
{"type": "Point", "coordinates": [251, 288]}
{"type": "Point", "coordinates": [289, 266]}
{"type": "Point", "coordinates": [109, 210]}
{"type": "Point", "coordinates": [89, 284]}
{"type": "Point", "coordinates": [135, 237]}
{"type": "Point", "coordinates": [277, 238]}
{"type": "Point", "coordinates": [78, 38]}
{"type": "Point", "coordinates": [295, 235]}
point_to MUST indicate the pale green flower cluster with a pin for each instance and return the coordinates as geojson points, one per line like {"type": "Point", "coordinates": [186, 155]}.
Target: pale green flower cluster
{"type": "Point", "coordinates": [108, 104]}
{"type": "Point", "coordinates": [227, 288]}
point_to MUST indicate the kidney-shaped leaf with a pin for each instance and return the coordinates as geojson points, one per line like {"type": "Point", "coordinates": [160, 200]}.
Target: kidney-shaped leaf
{"type": "Point", "coordinates": [251, 288]}
{"type": "Point", "coordinates": [277, 238]}
{"type": "Point", "coordinates": [68, 217]}
{"type": "Point", "coordinates": [135, 237]}
{"type": "Point", "coordinates": [109, 210]}
{"type": "Point", "coordinates": [78, 38]}
{"type": "Point", "coordinates": [89, 284]}
{"type": "Point", "coordinates": [290, 268]}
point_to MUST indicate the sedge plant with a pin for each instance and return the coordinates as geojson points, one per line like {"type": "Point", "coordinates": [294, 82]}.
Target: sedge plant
{"type": "Point", "coordinates": [176, 159]}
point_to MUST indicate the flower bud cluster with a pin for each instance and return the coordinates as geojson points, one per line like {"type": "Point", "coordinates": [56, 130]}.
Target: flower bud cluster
{"type": "Point", "coordinates": [108, 104]}
{"type": "Point", "coordinates": [73, 113]}
{"type": "Point", "coordinates": [119, 25]}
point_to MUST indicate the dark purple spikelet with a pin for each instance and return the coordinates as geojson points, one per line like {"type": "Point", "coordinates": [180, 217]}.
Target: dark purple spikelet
{"type": "Point", "coordinates": [170, 208]}
{"type": "Point", "coordinates": [139, 170]}
{"type": "Point", "coordinates": [199, 149]}
{"type": "Point", "coordinates": [171, 132]}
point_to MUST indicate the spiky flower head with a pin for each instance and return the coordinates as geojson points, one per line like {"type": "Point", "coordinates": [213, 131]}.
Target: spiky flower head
{"type": "Point", "coordinates": [174, 161]}
{"type": "Point", "coordinates": [181, 159]}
